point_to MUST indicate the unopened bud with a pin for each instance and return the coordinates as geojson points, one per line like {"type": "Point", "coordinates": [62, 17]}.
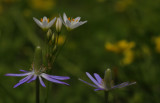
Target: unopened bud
{"type": "Point", "coordinates": [49, 33]}
{"type": "Point", "coordinates": [107, 79]}
{"type": "Point", "coordinates": [53, 37]}
{"type": "Point", "coordinates": [37, 58]}
{"type": "Point", "coordinates": [58, 25]}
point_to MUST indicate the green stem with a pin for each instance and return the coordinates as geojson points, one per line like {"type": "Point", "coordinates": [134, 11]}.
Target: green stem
{"type": "Point", "coordinates": [37, 90]}
{"type": "Point", "coordinates": [106, 97]}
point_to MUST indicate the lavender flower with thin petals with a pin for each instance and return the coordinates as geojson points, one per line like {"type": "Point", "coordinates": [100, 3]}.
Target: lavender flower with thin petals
{"type": "Point", "coordinates": [100, 85]}
{"type": "Point", "coordinates": [33, 75]}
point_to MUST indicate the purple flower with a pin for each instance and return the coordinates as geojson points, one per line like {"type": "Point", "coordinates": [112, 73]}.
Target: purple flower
{"type": "Point", "coordinates": [33, 75]}
{"type": "Point", "coordinates": [100, 84]}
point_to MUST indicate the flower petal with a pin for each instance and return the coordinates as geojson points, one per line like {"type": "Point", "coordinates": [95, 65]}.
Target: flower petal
{"type": "Point", "coordinates": [77, 24]}
{"type": "Point", "coordinates": [62, 19]}
{"type": "Point", "coordinates": [38, 22]}
{"type": "Point", "coordinates": [65, 17]}
{"type": "Point", "coordinates": [17, 75]}
{"type": "Point", "coordinates": [68, 24]}
{"type": "Point", "coordinates": [34, 78]}
{"type": "Point", "coordinates": [51, 23]}
{"type": "Point", "coordinates": [99, 79]}
{"type": "Point", "coordinates": [123, 85]}
{"type": "Point", "coordinates": [93, 80]}
{"type": "Point", "coordinates": [59, 77]}
{"type": "Point", "coordinates": [23, 81]}
{"type": "Point", "coordinates": [23, 70]}
{"type": "Point", "coordinates": [98, 89]}
{"type": "Point", "coordinates": [88, 83]}
{"type": "Point", "coordinates": [52, 80]}
{"type": "Point", "coordinates": [41, 81]}
{"type": "Point", "coordinates": [77, 19]}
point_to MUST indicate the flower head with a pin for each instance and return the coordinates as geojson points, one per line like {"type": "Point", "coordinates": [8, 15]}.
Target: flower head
{"type": "Point", "coordinates": [33, 75]}
{"type": "Point", "coordinates": [72, 23]}
{"type": "Point", "coordinates": [100, 84]}
{"type": "Point", "coordinates": [44, 23]}
{"type": "Point", "coordinates": [59, 24]}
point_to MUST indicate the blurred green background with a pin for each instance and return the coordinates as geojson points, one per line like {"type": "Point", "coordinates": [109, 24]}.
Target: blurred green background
{"type": "Point", "coordinates": [123, 35]}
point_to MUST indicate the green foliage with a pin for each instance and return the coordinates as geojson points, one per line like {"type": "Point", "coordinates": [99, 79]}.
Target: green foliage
{"type": "Point", "coordinates": [109, 21]}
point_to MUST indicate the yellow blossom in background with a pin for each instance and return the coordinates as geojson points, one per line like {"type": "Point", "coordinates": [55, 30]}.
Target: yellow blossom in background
{"type": "Point", "coordinates": [121, 5]}
{"type": "Point", "coordinates": [42, 4]}
{"type": "Point", "coordinates": [157, 44]}
{"type": "Point", "coordinates": [61, 39]}
{"type": "Point", "coordinates": [120, 46]}
{"type": "Point", "coordinates": [111, 47]}
{"type": "Point", "coordinates": [124, 47]}
{"type": "Point", "coordinates": [128, 57]}
{"type": "Point", "coordinates": [9, 1]}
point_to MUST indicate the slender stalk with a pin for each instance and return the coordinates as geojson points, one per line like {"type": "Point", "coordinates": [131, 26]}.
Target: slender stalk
{"type": "Point", "coordinates": [106, 97]}
{"type": "Point", "coordinates": [37, 91]}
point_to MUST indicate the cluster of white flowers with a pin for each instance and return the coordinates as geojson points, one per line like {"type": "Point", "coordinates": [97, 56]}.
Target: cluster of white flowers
{"type": "Point", "coordinates": [68, 22]}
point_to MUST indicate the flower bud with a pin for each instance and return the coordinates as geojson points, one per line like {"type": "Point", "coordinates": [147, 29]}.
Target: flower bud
{"type": "Point", "coordinates": [37, 58]}
{"type": "Point", "coordinates": [49, 33]}
{"type": "Point", "coordinates": [58, 25]}
{"type": "Point", "coordinates": [53, 37]}
{"type": "Point", "coordinates": [107, 79]}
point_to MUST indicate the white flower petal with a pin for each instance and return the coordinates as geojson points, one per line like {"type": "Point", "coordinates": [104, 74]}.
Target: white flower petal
{"type": "Point", "coordinates": [38, 22]}
{"type": "Point", "coordinates": [77, 24]}
{"type": "Point", "coordinates": [65, 17]}
{"type": "Point", "coordinates": [68, 24]}
{"type": "Point", "coordinates": [51, 23]}
{"type": "Point", "coordinates": [77, 19]}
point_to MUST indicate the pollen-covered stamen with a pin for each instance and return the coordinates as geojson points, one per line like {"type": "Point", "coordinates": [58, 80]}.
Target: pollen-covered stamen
{"type": "Point", "coordinates": [45, 19]}
{"type": "Point", "coordinates": [41, 20]}
{"type": "Point", "coordinates": [77, 20]}
{"type": "Point", "coordinates": [69, 19]}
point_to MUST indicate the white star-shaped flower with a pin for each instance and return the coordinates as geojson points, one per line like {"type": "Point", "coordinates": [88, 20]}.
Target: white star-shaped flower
{"type": "Point", "coordinates": [72, 23]}
{"type": "Point", "coordinates": [44, 23]}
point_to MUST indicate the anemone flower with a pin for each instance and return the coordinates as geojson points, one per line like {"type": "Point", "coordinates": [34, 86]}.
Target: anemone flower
{"type": "Point", "coordinates": [100, 84]}
{"type": "Point", "coordinates": [44, 23]}
{"type": "Point", "coordinates": [33, 75]}
{"type": "Point", "coordinates": [71, 23]}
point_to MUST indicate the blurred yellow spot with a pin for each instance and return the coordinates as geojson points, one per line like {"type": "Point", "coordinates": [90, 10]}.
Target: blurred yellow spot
{"type": "Point", "coordinates": [157, 44]}
{"type": "Point", "coordinates": [27, 13]}
{"type": "Point", "coordinates": [61, 40]}
{"type": "Point", "coordinates": [48, 20]}
{"type": "Point", "coordinates": [9, 1]}
{"type": "Point", "coordinates": [123, 47]}
{"type": "Point", "coordinates": [1, 9]}
{"type": "Point", "coordinates": [42, 4]}
{"type": "Point", "coordinates": [111, 47]}
{"type": "Point", "coordinates": [121, 5]}
{"type": "Point", "coordinates": [128, 57]}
